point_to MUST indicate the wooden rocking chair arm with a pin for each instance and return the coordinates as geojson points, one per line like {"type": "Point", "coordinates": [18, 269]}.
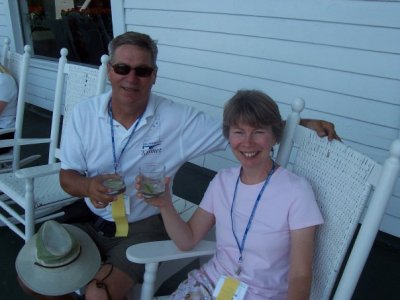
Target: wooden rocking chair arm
{"type": "Point", "coordinates": [22, 142]}
{"type": "Point", "coordinates": [38, 171]}
{"type": "Point", "coordinates": [6, 130]}
{"type": "Point", "coordinates": [160, 251]}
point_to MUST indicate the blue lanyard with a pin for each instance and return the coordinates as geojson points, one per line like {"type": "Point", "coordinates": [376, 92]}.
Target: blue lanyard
{"type": "Point", "coordinates": [242, 244]}
{"type": "Point", "coordinates": [116, 162]}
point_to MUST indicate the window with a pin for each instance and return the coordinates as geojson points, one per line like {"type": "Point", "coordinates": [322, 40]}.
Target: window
{"type": "Point", "coordinates": [84, 27]}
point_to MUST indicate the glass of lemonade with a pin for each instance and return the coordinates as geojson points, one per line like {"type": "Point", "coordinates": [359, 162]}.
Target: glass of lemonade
{"type": "Point", "coordinates": [153, 179]}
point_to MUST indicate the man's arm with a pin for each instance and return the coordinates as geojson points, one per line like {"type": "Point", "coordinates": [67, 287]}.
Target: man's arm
{"type": "Point", "coordinates": [74, 183]}
{"type": "Point", "coordinates": [3, 105]}
{"type": "Point", "coordinates": [78, 185]}
{"type": "Point", "coordinates": [323, 128]}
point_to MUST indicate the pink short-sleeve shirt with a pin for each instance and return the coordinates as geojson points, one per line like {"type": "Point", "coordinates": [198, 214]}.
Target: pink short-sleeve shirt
{"type": "Point", "coordinates": [288, 203]}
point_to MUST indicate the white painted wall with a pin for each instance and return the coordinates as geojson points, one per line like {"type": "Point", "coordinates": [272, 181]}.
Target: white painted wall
{"type": "Point", "coordinates": [342, 57]}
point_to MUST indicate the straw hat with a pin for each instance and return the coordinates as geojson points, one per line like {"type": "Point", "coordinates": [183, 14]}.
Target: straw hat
{"type": "Point", "coordinates": [57, 260]}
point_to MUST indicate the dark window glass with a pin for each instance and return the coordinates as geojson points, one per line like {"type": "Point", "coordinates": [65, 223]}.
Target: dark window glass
{"type": "Point", "coordinates": [84, 27]}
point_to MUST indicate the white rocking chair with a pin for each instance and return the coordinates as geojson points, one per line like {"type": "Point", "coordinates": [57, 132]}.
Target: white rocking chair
{"type": "Point", "coordinates": [18, 65]}
{"type": "Point", "coordinates": [346, 183]}
{"type": "Point", "coordinates": [36, 191]}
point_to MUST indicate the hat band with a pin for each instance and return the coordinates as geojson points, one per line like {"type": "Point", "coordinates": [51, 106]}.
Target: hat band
{"type": "Point", "coordinates": [63, 265]}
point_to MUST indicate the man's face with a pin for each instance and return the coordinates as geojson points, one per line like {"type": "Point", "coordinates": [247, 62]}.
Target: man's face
{"type": "Point", "coordinates": [131, 88]}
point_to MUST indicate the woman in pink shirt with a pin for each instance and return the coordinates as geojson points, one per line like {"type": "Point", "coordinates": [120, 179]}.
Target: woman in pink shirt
{"type": "Point", "coordinates": [265, 216]}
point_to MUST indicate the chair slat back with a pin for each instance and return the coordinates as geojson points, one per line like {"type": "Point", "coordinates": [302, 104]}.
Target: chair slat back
{"type": "Point", "coordinates": [81, 83]}
{"type": "Point", "coordinates": [18, 65]}
{"type": "Point", "coordinates": [13, 61]}
{"type": "Point", "coordinates": [4, 51]}
{"type": "Point", "coordinates": [74, 84]}
{"type": "Point", "coordinates": [13, 64]}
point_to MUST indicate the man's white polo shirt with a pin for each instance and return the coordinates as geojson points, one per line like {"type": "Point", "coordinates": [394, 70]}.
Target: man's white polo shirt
{"type": "Point", "coordinates": [168, 133]}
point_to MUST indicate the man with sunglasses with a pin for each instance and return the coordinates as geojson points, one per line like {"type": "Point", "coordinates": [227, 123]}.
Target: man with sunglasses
{"type": "Point", "coordinates": [118, 131]}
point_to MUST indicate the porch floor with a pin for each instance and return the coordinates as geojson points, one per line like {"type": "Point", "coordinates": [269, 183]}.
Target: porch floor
{"type": "Point", "coordinates": [379, 279]}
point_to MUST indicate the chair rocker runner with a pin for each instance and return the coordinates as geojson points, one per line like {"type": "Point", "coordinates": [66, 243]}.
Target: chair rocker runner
{"type": "Point", "coordinates": [36, 190]}
{"type": "Point", "coordinates": [347, 185]}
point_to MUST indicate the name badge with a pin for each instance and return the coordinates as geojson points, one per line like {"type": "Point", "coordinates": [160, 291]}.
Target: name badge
{"type": "Point", "coordinates": [228, 288]}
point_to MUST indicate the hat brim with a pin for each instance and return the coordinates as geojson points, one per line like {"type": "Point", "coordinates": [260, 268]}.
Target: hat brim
{"type": "Point", "coordinates": [63, 280]}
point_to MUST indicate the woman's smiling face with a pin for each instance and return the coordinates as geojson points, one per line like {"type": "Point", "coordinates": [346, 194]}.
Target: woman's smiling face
{"type": "Point", "coordinates": [250, 145]}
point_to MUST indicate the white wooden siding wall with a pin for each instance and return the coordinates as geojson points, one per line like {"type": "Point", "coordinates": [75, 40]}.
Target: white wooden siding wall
{"type": "Point", "coordinates": [342, 57]}
{"type": "Point", "coordinates": [5, 22]}
{"type": "Point", "coordinates": [42, 78]}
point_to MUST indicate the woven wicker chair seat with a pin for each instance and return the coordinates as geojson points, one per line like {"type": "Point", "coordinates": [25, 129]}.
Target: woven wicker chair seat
{"type": "Point", "coordinates": [46, 190]}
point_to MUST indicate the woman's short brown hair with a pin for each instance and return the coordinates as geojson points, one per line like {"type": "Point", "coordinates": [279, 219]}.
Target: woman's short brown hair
{"type": "Point", "coordinates": [253, 108]}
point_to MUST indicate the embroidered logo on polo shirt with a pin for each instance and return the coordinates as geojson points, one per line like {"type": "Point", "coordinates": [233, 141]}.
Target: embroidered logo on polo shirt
{"type": "Point", "coordinates": [152, 144]}
{"type": "Point", "coordinates": [151, 148]}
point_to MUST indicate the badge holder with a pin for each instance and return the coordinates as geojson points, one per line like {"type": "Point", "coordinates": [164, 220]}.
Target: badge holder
{"type": "Point", "coordinates": [228, 288]}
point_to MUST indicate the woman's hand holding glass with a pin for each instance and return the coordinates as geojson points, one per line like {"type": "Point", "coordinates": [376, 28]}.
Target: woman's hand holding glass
{"type": "Point", "coordinates": [104, 188]}
{"type": "Point", "coordinates": [160, 201]}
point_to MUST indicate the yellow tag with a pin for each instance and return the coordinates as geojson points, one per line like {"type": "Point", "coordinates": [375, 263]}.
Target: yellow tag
{"type": "Point", "coordinates": [119, 216]}
{"type": "Point", "coordinates": [228, 289]}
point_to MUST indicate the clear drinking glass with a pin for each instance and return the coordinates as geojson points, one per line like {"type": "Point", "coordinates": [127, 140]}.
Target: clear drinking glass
{"type": "Point", "coordinates": [153, 179]}
{"type": "Point", "coordinates": [116, 184]}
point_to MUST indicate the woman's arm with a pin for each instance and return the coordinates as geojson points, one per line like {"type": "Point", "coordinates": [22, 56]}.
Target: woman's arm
{"type": "Point", "coordinates": [301, 257]}
{"type": "Point", "coordinates": [185, 235]}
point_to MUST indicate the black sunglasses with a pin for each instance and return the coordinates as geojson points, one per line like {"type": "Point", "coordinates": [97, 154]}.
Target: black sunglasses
{"type": "Point", "coordinates": [124, 69]}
